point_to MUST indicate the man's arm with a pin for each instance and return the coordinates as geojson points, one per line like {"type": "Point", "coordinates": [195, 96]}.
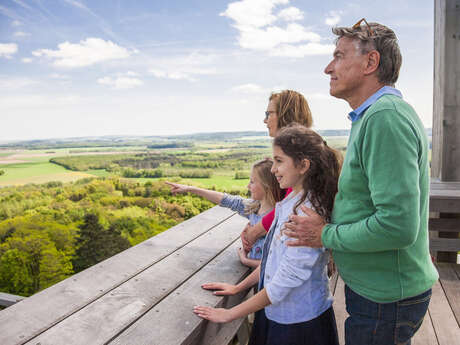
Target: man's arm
{"type": "Point", "coordinates": [394, 186]}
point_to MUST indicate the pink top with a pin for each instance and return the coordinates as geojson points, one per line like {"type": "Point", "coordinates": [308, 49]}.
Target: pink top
{"type": "Point", "coordinates": [267, 220]}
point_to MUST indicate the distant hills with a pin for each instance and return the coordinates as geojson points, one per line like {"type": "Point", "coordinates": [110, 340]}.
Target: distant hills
{"type": "Point", "coordinates": [118, 141]}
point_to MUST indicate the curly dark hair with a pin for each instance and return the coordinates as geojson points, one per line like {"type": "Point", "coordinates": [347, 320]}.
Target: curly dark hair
{"type": "Point", "coordinates": [320, 183]}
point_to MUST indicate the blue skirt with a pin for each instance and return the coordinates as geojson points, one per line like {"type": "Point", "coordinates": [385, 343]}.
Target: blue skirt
{"type": "Point", "coordinates": [322, 330]}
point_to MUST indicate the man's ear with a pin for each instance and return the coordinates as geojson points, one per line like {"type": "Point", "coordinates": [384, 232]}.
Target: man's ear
{"type": "Point", "coordinates": [373, 61]}
{"type": "Point", "coordinates": [305, 165]}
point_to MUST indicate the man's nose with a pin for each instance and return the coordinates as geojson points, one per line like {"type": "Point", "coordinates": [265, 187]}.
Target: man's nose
{"type": "Point", "coordinates": [328, 69]}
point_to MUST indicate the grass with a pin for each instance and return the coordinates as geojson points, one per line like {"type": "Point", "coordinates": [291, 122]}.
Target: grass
{"type": "Point", "coordinates": [37, 172]}
{"type": "Point", "coordinates": [217, 180]}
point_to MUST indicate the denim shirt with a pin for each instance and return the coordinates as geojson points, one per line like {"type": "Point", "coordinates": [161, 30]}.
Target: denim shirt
{"type": "Point", "coordinates": [295, 278]}
{"type": "Point", "coordinates": [385, 90]}
{"type": "Point", "coordinates": [237, 204]}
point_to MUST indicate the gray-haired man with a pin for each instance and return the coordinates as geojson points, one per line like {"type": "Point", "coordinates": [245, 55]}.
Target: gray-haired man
{"type": "Point", "coordinates": [378, 233]}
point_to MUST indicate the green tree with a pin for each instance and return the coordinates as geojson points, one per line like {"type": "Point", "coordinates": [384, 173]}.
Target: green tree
{"type": "Point", "coordinates": [95, 244]}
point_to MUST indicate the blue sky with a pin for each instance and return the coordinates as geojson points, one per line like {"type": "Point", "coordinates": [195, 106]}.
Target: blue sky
{"type": "Point", "coordinates": [71, 68]}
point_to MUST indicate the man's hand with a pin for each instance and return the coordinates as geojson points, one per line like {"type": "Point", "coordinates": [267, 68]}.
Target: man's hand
{"type": "Point", "coordinates": [306, 230]}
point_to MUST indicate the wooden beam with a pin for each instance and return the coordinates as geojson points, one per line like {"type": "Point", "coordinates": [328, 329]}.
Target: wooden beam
{"type": "Point", "coordinates": [445, 163]}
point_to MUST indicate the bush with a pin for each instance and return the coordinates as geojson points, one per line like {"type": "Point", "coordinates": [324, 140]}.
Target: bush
{"type": "Point", "coordinates": [241, 175]}
{"type": "Point", "coordinates": [2, 172]}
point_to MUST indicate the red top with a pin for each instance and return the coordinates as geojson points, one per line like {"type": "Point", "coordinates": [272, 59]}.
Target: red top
{"type": "Point", "coordinates": [267, 220]}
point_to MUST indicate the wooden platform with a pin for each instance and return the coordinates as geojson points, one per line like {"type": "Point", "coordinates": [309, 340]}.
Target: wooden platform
{"type": "Point", "coordinates": [145, 294]}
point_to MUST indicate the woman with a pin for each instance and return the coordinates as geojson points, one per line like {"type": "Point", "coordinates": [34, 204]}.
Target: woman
{"type": "Point", "coordinates": [283, 108]}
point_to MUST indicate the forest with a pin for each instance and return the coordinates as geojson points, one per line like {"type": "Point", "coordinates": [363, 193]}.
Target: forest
{"type": "Point", "coordinates": [52, 230]}
{"type": "Point", "coordinates": [49, 232]}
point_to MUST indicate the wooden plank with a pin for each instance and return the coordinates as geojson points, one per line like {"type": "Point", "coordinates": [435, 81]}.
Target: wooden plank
{"type": "Point", "coordinates": [101, 320]}
{"type": "Point", "coordinates": [447, 205]}
{"type": "Point", "coordinates": [340, 309]}
{"type": "Point", "coordinates": [172, 321]}
{"type": "Point", "coordinates": [445, 244]}
{"type": "Point", "coordinates": [442, 317]}
{"type": "Point", "coordinates": [444, 185]}
{"type": "Point", "coordinates": [30, 317]}
{"type": "Point", "coordinates": [451, 286]}
{"type": "Point", "coordinates": [425, 334]}
{"type": "Point", "coordinates": [7, 299]}
{"type": "Point", "coordinates": [444, 224]}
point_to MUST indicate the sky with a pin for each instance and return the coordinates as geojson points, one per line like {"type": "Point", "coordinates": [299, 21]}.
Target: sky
{"type": "Point", "coordinates": [75, 68]}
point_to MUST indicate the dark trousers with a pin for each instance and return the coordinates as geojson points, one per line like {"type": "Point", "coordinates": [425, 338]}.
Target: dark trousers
{"type": "Point", "coordinates": [320, 331]}
{"type": "Point", "coordinates": [372, 323]}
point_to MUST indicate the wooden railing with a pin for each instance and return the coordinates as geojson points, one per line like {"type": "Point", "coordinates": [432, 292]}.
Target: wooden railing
{"type": "Point", "coordinates": [145, 294]}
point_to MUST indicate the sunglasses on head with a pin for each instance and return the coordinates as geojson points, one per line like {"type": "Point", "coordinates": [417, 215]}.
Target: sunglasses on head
{"type": "Point", "coordinates": [358, 25]}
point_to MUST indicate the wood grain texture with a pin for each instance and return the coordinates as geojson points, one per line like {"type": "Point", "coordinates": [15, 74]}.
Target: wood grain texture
{"type": "Point", "coordinates": [443, 319]}
{"type": "Point", "coordinates": [450, 283]}
{"type": "Point", "coordinates": [172, 321]}
{"type": "Point", "coordinates": [100, 321]}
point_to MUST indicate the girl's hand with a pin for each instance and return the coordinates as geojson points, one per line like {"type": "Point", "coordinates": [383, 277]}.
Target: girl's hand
{"type": "Point", "coordinates": [178, 188]}
{"type": "Point", "coordinates": [219, 315]}
{"type": "Point", "coordinates": [242, 254]}
{"type": "Point", "coordinates": [223, 289]}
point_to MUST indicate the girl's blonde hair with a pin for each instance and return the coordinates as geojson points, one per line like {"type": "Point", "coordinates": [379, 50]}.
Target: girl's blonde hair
{"type": "Point", "coordinates": [269, 183]}
{"type": "Point", "coordinates": [320, 182]}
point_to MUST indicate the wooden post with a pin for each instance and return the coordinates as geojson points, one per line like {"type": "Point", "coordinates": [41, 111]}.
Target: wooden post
{"type": "Point", "coordinates": [445, 162]}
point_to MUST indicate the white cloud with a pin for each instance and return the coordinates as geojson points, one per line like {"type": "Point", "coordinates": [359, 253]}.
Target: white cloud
{"type": "Point", "coordinates": [26, 60]}
{"type": "Point", "coordinates": [15, 83]}
{"type": "Point", "coordinates": [333, 18]}
{"type": "Point", "coordinates": [38, 101]}
{"type": "Point", "coordinates": [21, 34]}
{"type": "Point", "coordinates": [59, 76]}
{"type": "Point", "coordinates": [273, 36]}
{"type": "Point", "coordinates": [250, 89]}
{"type": "Point", "coordinates": [87, 52]}
{"type": "Point", "coordinates": [121, 82]}
{"type": "Point", "coordinates": [252, 13]}
{"type": "Point", "coordinates": [16, 23]}
{"type": "Point", "coordinates": [184, 67]}
{"type": "Point", "coordinates": [291, 14]}
{"type": "Point", "coordinates": [254, 19]}
{"type": "Point", "coordinates": [8, 49]}
{"type": "Point", "coordinates": [299, 51]}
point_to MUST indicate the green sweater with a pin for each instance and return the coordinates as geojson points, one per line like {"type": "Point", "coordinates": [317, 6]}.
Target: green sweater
{"type": "Point", "coordinates": [379, 228]}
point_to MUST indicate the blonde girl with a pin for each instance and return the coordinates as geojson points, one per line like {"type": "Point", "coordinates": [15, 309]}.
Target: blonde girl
{"type": "Point", "coordinates": [265, 192]}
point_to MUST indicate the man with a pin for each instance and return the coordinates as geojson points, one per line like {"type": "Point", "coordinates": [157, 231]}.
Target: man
{"type": "Point", "coordinates": [378, 232]}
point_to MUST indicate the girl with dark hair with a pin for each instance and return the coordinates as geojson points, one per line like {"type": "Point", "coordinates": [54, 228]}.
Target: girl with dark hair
{"type": "Point", "coordinates": [293, 305]}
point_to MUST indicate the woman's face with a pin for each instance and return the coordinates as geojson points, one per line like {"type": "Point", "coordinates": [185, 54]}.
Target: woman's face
{"type": "Point", "coordinates": [272, 119]}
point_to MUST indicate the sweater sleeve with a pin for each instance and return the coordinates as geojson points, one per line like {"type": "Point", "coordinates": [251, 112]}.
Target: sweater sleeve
{"type": "Point", "coordinates": [389, 155]}
{"type": "Point", "coordinates": [235, 203]}
{"type": "Point", "coordinates": [267, 220]}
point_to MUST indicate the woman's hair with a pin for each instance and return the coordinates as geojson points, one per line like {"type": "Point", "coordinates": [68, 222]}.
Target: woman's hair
{"type": "Point", "coordinates": [320, 182]}
{"type": "Point", "coordinates": [291, 106]}
{"type": "Point", "coordinates": [269, 183]}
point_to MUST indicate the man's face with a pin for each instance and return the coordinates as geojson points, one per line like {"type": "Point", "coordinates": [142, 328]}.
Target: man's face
{"type": "Point", "coordinates": [346, 69]}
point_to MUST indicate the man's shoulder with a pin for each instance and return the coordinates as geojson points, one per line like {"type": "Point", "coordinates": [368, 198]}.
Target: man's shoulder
{"type": "Point", "coordinates": [389, 103]}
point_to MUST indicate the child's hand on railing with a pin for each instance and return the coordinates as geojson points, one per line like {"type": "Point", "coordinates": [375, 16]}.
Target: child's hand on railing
{"type": "Point", "coordinates": [219, 315]}
{"type": "Point", "coordinates": [243, 255]}
{"type": "Point", "coordinates": [222, 289]}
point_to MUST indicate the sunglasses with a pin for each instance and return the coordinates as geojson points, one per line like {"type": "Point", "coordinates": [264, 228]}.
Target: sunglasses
{"type": "Point", "coordinates": [267, 114]}
{"type": "Point", "coordinates": [358, 25]}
